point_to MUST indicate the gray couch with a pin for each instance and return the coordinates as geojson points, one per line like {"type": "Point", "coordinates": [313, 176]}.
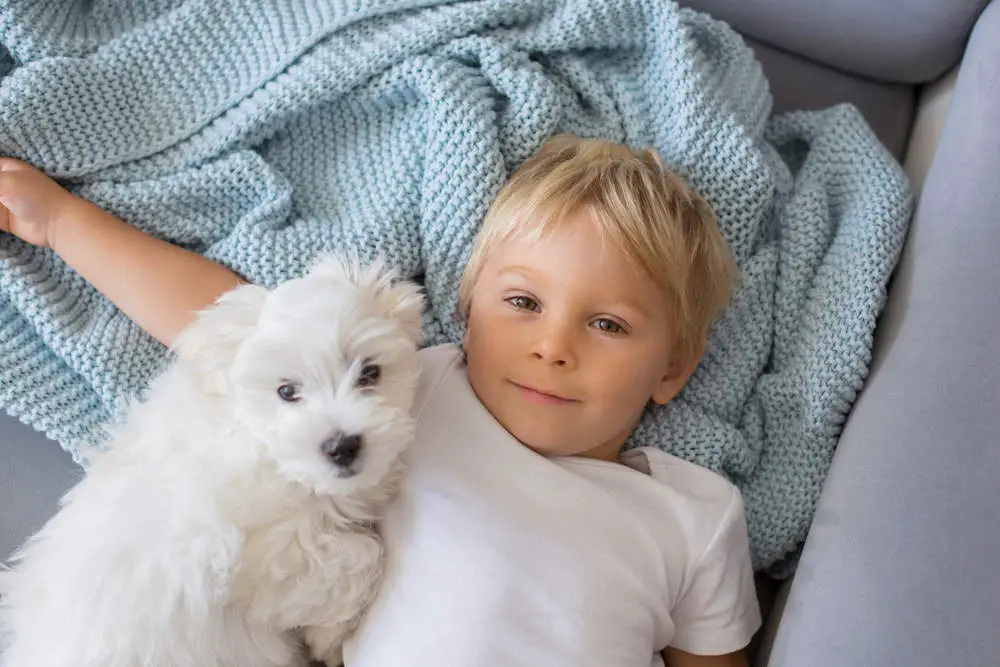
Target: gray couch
{"type": "Point", "coordinates": [901, 565]}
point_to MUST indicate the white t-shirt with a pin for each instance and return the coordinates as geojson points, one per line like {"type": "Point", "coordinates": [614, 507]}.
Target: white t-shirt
{"type": "Point", "coordinates": [499, 556]}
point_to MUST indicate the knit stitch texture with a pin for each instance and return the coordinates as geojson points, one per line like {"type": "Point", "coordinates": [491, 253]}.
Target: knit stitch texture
{"type": "Point", "coordinates": [261, 133]}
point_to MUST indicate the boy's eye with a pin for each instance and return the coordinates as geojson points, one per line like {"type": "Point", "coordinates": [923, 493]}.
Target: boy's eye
{"type": "Point", "coordinates": [523, 302]}
{"type": "Point", "coordinates": [608, 326]}
{"type": "Point", "coordinates": [289, 392]}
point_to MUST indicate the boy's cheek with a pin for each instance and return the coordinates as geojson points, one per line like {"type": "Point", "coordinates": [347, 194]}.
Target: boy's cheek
{"type": "Point", "coordinates": [629, 394]}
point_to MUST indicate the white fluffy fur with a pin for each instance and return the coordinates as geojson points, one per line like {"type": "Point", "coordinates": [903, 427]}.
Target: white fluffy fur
{"type": "Point", "coordinates": [214, 531]}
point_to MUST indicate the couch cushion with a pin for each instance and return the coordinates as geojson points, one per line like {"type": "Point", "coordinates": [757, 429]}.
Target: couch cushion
{"type": "Point", "coordinates": [910, 41]}
{"type": "Point", "coordinates": [34, 473]}
{"type": "Point", "coordinates": [800, 84]}
{"type": "Point", "coordinates": [900, 567]}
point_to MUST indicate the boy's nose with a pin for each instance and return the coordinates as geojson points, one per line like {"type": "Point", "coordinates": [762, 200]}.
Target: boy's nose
{"type": "Point", "coordinates": [555, 346]}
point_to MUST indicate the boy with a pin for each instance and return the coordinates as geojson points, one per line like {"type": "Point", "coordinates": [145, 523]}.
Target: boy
{"type": "Point", "coordinates": [522, 535]}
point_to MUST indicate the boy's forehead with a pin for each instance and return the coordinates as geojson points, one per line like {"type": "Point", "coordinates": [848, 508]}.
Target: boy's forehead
{"type": "Point", "coordinates": [573, 241]}
{"type": "Point", "coordinates": [593, 267]}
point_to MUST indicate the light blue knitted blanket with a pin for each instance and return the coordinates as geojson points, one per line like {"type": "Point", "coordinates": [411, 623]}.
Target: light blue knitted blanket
{"type": "Point", "coordinates": [261, 133]}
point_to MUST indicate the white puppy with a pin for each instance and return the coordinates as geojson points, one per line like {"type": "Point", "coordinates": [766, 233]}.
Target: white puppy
{"type": "Point", "coordinates": [233, 514]}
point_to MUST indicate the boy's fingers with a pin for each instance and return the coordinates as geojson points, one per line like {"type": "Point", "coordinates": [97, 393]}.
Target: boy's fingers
{"type": "Point", "coordinates": [12, 164]}
{"type": "Point", "coordinates": [8, 186]}
{"type": "Point", "coordinates": [5, 188]}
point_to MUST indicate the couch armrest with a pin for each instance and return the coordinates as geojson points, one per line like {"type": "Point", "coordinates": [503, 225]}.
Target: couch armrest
{"type": "Point", "coordinates": [901, 564]}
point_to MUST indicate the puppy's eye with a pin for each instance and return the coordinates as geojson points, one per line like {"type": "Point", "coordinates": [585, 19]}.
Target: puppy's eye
{"type": "Point", "coordinates": [289, 392]}
{"type": "Point", "coordinates": [370, 374]}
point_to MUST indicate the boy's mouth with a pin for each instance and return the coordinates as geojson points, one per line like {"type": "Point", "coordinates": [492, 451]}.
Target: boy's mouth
{"type": "Point", "coordinates": [540, 397]}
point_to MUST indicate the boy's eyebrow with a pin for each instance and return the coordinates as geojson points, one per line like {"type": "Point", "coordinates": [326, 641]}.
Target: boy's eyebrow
{"type": "Point", "coordinates": [636, 306]}
{"type": "Point", "coordinates": [523, 270]}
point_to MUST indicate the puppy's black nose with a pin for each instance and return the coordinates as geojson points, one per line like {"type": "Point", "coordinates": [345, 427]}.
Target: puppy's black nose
{"type": "Point", "coordinates": [342, 451]}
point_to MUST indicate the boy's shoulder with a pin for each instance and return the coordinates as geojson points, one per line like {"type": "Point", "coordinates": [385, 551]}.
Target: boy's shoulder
{"type": "Point", "coordinates": [435, 363]}
{"type": "Point", "coordinates": [439, 356]}
{"type": "Point", "coordinates": [715, 609]}
{"type": "Point", "coordinates": [702, 503]}
{"type": "Point", "coordinates": [692, 480]}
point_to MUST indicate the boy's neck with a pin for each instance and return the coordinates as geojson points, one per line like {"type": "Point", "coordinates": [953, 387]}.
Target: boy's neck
{"type": "Point", "coordinates": [609, 451]}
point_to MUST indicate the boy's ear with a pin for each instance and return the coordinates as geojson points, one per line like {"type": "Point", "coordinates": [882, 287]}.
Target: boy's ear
{"type": "Point", "coordinates": [676, 377]}
{"type": "Point", "coordinates": [209, 344]}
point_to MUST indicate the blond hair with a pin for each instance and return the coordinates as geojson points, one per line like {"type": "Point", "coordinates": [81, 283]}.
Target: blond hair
{"type": "Point", "coordinates": [638, 205]}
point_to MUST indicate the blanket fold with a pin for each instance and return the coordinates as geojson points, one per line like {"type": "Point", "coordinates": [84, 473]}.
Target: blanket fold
{"type": "Point", "coordinates": [260, 134]}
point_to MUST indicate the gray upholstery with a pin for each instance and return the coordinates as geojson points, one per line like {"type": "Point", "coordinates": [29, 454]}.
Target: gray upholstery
{"type": "Point", "coordinates": [912, 41]}
{"type": "Point", "coordinates": [800, 84]}
{"type": "Point", "coordinates": [901, 564]}
{"type": "Point", "coordinates": [34, 473]}
{"type": "Point", "coordinates": [776, 598]}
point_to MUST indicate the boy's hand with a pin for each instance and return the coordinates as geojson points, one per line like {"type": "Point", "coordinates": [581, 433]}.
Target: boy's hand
{"type": "Point", "coordinates": [30, 202]}
{"type": "Point", "coordinates": [158, 285]}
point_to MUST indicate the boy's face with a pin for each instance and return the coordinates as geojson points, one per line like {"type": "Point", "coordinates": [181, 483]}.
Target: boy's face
{"type": "Point", "coordinates": [567, 342]}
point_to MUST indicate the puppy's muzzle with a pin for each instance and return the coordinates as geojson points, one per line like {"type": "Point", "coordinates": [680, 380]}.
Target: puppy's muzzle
{"type": "Point", "coordinates": [343, 450]}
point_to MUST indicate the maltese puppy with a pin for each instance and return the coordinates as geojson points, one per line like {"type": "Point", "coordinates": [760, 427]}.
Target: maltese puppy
{"type": "Point", "coordinates": [232, 520]}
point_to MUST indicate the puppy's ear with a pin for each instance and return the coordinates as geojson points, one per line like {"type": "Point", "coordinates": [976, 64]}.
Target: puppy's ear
{"type": "Point", "coordinates": [208, 345]}
{"type": "Point", "coordinates": [341, 269]}
{"type": "Point", "coordinates": [400, 300]}
{"type": "Point", "coordinates": [403, 301]}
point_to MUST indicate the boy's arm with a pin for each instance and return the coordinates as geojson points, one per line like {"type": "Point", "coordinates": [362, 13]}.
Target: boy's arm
{"type": "Point", "coordinates": [158, 285]}
{"type": "Point", "coordinates": [719, 610]}
{"type": "Point", "coordinates": [673, 657]}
